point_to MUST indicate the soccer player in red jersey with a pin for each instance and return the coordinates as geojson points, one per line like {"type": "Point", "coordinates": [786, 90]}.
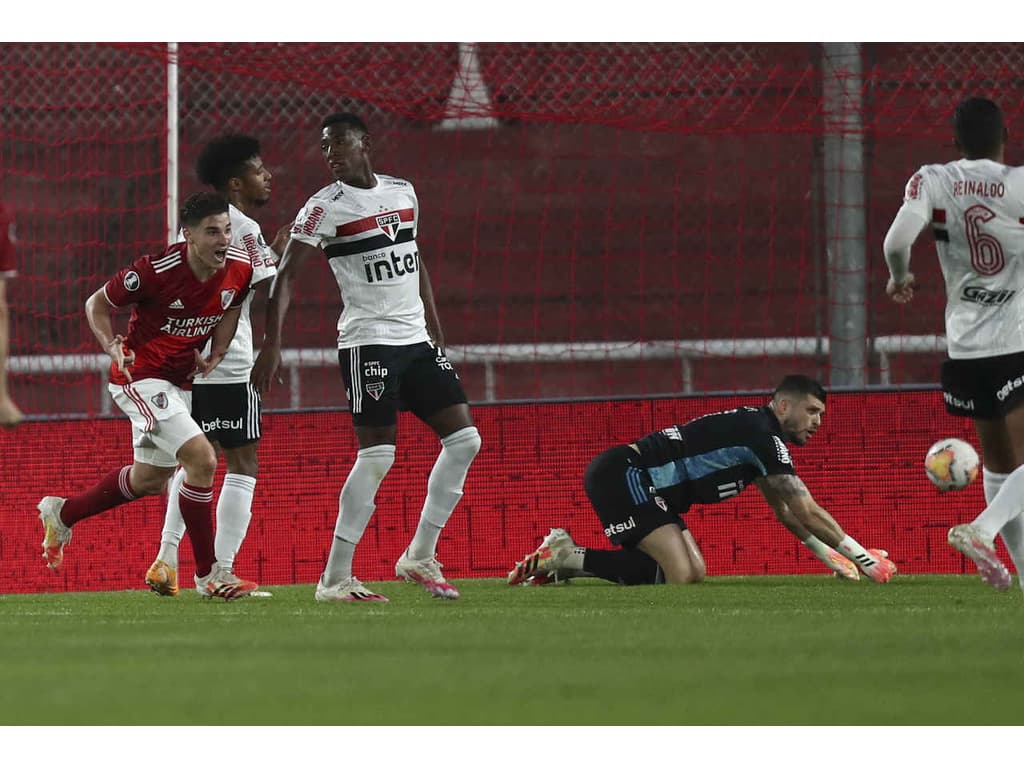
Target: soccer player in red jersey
{"type": "Point", "coordinates": [10, 415]}
{"type": "Point", "coordinates": [191, 292]}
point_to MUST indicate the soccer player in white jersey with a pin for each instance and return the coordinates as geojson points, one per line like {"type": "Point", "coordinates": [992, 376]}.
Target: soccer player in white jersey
{"type": "Point", "coordinates": [225, 404]}
{"type": "Point", "coordinates": [975, 208]}
{"type": "Point", "coordinates": [390, 348]}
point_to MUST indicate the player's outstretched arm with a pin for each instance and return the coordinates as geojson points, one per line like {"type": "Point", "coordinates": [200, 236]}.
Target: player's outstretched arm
{"type": "Point", "coordinates": [100, 315]}
{"type": "Point", "coordinates": [429, 307]}
{"type": "Point", "coordinates": [789, 494]}
{"type": "Point", "coordinates": [269, 358]}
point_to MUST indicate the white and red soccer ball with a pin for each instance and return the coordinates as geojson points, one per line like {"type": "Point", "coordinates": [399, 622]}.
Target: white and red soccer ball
{"type": "Point", "coordinates": [951, 464]}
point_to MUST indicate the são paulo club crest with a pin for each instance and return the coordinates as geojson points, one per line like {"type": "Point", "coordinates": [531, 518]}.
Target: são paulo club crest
{"type": "Point", "coordinates": [159, 400]}
{"type": "Point", "coordinates": [389, 224]}
{"type": "Point", "coordinates": [375, 389]}
{"type": "Point", "coordinates": [226, 297]}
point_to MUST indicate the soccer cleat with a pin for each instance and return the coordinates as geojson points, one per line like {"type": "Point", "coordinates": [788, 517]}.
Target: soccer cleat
{"type": "Point", "coordinates": [55, 533]}
{"type": "Point", "coordinates": [884, 569]}
{"type": "Point", "coordinates": [967, 540]}
{"type": "Point", "coordinates": [162, 579]}
{"type": "Point", "coordinates": [545, 560]}
{"type": "Point", "coordinates": [222, 583]}
{"type": "Point", "coordinates": [554, 577]}
{"type": "Point", "coordinates": [350, 590]}
{"type": "Point", "coordinates": [426, 573]}
{"type": "Point", "coordinates": [842, 566]}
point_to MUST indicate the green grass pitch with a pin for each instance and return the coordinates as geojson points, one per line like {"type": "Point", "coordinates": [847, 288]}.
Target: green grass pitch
{"type": "Point", "coordinates": [761, 650]}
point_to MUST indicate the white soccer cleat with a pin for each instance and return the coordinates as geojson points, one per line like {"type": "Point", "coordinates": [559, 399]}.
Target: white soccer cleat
{"type": "Point", "coordinates": [222, 583]}
{"type": "Point", "coordinates": [350, 590]}
{"type": "Point", "coordinates": [967, 540]}
{"type": "Point", "coordinates": [426, 573]}
{"type": "Point", "coordinates": [545, 560]}
{"type": "Point", "coordinates": [55, 533]}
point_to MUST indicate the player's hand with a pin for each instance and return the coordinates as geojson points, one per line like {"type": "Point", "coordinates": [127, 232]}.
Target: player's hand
{"type": "Point", "coordinates": [204, 365]}
{"type": "Point", "coordinates": [901, 292]}
{"type": "Point", "coordinates": [264, 370]}
{"type": "Point", "coordinates": [121, 355]}
{"type": "Point", "coordinates": [281, 239]}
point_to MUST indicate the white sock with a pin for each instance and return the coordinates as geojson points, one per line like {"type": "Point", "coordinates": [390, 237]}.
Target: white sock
{"type": "Point", "coordinates": [849, 547]}
{"type": "Point", "coordinates": [575, 560]}
{"type": "Point", "coordinates": [1004, 506]}
{"type": "Point", "coordinates": [820, 549]}
{"type": "Point", "coordinates": [992, 482]}
{"type": "Point", "coordinates": [174, 523]}
{"type": "Point", "coordinates": [355, 507]}
{"type": "Point", "coordinates": [444, 489]}
{"type": "Point", "coordinates": [1013, 538]}
{"type": "Point", "coordinates": [234, 511]}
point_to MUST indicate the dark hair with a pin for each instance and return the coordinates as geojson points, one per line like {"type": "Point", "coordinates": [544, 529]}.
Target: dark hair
{"type": "Point", "coordinates": [224, 158]}
{"type": "Point", "coordinates": [798, 384]}
{"type": "Point", "coordinates": [978, 126]}
{"type": "Point", "coordinates": [348, 119]}
{"type": "Point", "coordinates": [200, 205]}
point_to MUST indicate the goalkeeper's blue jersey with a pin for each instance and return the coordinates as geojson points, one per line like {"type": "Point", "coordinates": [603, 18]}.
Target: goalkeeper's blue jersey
{"type": "Point", "coordinates": [715, 456]}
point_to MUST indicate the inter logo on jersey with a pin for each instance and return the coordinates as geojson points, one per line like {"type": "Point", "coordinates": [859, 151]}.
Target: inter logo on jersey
{"type": "Point", "coordinates": [226, 297]}
{"type": "Point", "coordinates": [389, 224]}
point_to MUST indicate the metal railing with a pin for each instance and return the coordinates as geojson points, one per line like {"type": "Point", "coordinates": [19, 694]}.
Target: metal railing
{"type": "Point", "coordinates": [687, 351]}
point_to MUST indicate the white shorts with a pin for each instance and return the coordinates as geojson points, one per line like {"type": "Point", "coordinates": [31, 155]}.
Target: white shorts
{"type": "Point", "coordinates": [161, 416]}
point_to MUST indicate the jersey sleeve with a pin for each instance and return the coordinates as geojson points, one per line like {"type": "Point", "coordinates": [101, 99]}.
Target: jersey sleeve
{"type": "Point", "coordinates": [916, 196]}
{"type": "Point", "coordinates": [774, 455]}
{"type": "Point", "coordinates": [132, 284]}
{"type": "Point", "coordinates": [264, 265]}
{"type": "Point", "coordinates": [415, 213]}
{"type": "Point", "coordinates": [312, 225]}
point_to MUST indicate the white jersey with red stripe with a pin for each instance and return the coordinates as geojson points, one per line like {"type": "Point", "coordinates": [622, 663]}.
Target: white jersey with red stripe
{"type": "Point", "coordinates": [246, 236]}
{"type": "Point", "coordinates": [976, 211]}
{"type": "Point", "coordinates": [369, 237]}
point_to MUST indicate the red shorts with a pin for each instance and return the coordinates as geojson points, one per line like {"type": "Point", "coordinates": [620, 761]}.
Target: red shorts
{"type": "Point", "coordinates": [7, 266]}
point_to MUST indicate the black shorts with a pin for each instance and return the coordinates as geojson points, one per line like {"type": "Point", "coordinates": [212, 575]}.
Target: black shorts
{"type": "Point", "coordinates": [983, 387]}
{"type": "Point", "coordinates": [624, 497]}
{"type": "Point", "coordinates": [229, 414]}
{"type": "Point", "coordinates": [380, 380]}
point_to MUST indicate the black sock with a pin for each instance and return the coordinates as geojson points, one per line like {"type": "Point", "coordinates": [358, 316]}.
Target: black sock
{"type": "Point", "coordinates": [622, 566]}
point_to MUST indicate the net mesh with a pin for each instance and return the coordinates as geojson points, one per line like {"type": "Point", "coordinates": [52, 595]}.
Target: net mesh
{"type": "Point", "coordinates": [599, 220]}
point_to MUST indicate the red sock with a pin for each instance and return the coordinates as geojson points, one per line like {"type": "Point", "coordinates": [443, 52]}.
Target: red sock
{"type": "Point", "coordinates": [196, 505]}
{"type": "Point", "coordinates": [112, 491]}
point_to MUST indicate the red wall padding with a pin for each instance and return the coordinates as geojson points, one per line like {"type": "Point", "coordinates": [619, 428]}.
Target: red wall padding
{"type": "Point", "coordinates": [864, 466]}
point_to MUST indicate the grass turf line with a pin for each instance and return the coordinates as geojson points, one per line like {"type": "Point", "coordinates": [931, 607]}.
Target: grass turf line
{"type": "Point", "coordinates": [758, 650]}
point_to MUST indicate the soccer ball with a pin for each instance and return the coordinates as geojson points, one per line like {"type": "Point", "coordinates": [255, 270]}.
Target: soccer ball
{"type": "Point", "coordinates": [951, 464]}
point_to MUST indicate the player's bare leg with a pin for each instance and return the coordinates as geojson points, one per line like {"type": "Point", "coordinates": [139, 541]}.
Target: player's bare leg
{"type": "Point", "coordinates": [676, 553]}
{"type": "Point", "coordinates": [10, 414]}
{"type": "Point", "coordinates": [460, 443]}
